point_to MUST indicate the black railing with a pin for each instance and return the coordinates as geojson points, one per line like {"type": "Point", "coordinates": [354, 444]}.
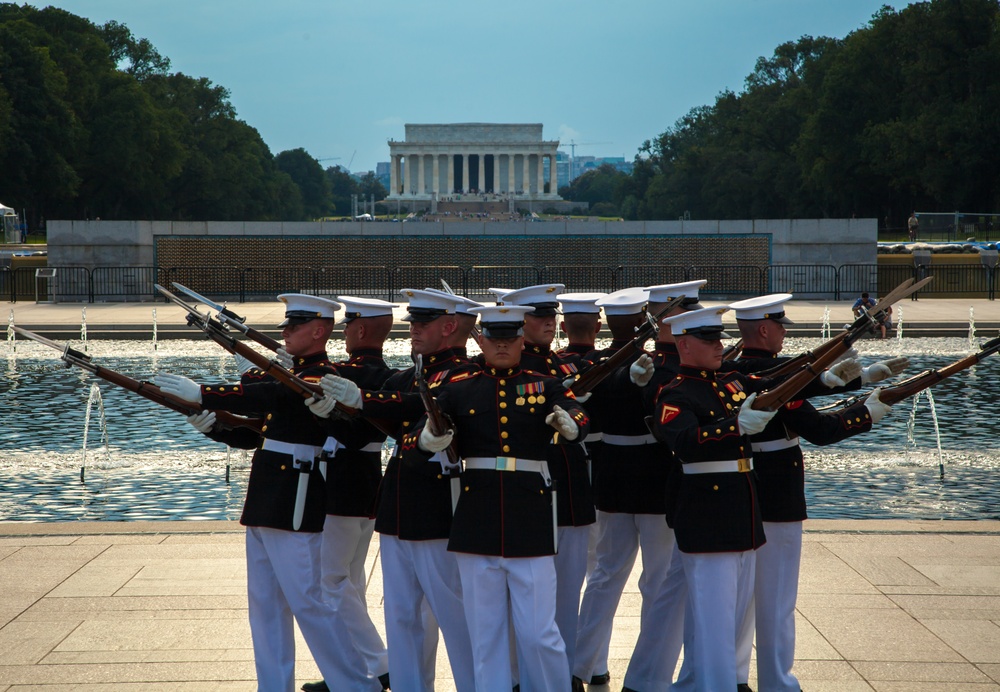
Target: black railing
{"type": "Point", "coordinates": [119, 284]}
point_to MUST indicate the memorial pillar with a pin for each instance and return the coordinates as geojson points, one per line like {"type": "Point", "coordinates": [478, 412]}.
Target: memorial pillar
{"type": "Point", "coordinates": [451, 172]}
{"type": "Point", "coordinates": [436, 172]}
{"type": "Point", "coordinates": [541, 174]}
{"type": "Point", "coordinates": [393, 176]}
{"type": "Point", "coordinates": [481, 185]}
{"type": "Point", "coordinates": [525, 174]}
{"type": "Point", "coordinates": [465, 172]}
{"type": "Point", "coordinates": [496, 173]}
{"type": "Point", "coordinates": [511, 183]}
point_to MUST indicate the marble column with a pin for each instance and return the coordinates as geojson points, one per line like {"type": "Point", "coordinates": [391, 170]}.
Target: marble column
{"type": "Point", "coordinates": [496, 173]}
{"type": "Point", "coordinates": [421, 183]}
{"type": "Point", "coordinates": [436, 172]}
{"type": "Point", "coordinates": [541, 174]}
{"type": "Point", "coordinates": [393, 176]}
{"type": "Point", "coordinates": [481, 185]}
{"type": "Point", "coordinates": [465, 172]}
{"type": "Point", "coordinates": [451, 172]}
{"type": "Point", "coordinates": [526, 175]}
{"type": "Point", "coordinates": [511, 182]}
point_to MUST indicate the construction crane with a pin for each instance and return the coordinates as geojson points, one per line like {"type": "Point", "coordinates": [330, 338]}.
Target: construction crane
{"type": "Point", "coordinates": [572, 155]}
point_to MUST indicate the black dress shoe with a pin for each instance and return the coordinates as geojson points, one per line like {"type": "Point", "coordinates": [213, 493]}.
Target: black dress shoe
{"type": "Point", "coordinates": [318, 686]}
{"type": "Point", "coordinates": [743, 687]}
{"type": "Point", "coordinates": [602, 679]}
{"type": "Point", "coordinates": [384, 680]}
{"type": "Point", "coordinates": [577, 684]}
{"type": "Point", "coordinates": [628, 689]}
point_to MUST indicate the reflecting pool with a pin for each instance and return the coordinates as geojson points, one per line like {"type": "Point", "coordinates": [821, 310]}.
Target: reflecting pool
{"type": "Point", "coordinates": [157, 467]}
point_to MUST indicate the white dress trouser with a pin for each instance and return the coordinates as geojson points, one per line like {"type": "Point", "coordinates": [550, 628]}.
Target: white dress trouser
{"type": "Point", "coordinates": [520, 590]}
{"type": "Point", "coordinates": [651, 668]}
{"type": "Point", "coordinates": [775, 593]}
{"type": "Point", "coordinates": [620, 539]}
{"type": "Point", "coordinates": [345, 547]}
{"type": "Point", "coordinates": [413, 571]}
{"type": "Point", "coordinates": [284, 582]}
{"type": "Point", "coordinates": [571, 568]}
{"type": "Point", "coordinates": [719, 588]}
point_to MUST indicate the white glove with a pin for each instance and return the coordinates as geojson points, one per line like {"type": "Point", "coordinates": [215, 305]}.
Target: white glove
{"type": "Point", "coordinates": [876, 372]}
{"type": "Point", "coordinates": [875, 406]}
{"type": "Point", "coordinates": [242, 364]}
{"type": "Point", "coordinates": [342, 390]}
{"type": "Point", "coordinates": [641, 371]}
{"type": "Point", "coordinates": [568, 384]}
{"type": "Point", "coordinates": [283, 358]}
{"type": "Point", "coordinates": [840, 373]}
{"type": "Point", "coordinates": [321, 407]}
{"type": "Point", "coordinates": [179, 386]}
{"type": "Point", "coordinates": [203, 422]}
{"type": "Point", "coordinates": [563, 423]}
{"type": "Point", "coordinates": [849, 353]}
{"type": "Point", "coordinates": [429, 442]}
{"type": "Point", "coordinates": [750, 419]}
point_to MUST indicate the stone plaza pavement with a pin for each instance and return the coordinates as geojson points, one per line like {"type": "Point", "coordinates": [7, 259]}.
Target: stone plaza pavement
{"type": "Point", "coordinates": [884, 605]}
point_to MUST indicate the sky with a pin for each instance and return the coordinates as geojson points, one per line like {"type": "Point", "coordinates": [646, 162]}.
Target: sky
{"type": "Point", "coordinates": [340, 79]}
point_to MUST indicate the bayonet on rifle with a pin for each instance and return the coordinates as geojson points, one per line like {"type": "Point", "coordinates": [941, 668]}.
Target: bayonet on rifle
{"type": "Point", "coordinates": [145, 389]}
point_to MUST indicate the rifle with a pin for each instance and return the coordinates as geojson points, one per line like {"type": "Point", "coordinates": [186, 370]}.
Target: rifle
{"type": "Point", "coordinates": [593, 376]}
{"type": "Point", "coordinates": [864, 323]}
{"type": "Point", "coordinates": [476, 332]}
{"type": "Point", "coordinates": [71, 356]}
{"type": "Point", "coordinates": [230, 319]}
{"type": "Point", "coordinates": [732, 352]}
{"type": "Point", "coordinates": [437, 422]}
{"type": "Point", "coordinates": [217, 332]}
{"type": "Point", "coordinates": [895, 393]}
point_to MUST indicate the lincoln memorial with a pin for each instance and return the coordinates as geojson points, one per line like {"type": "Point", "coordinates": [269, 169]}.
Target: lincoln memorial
{"type": "Point", "coordinates": [437, 162]}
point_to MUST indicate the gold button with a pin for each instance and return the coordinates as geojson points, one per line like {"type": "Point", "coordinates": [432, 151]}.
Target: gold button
{"type": "Point", "coordinates": [503, 404]}
{"type": "Point", "coordinates": [531, 409]}
{"type": "Point", "coordinates": [503, 419]}
{"type": "Point", "coordinates": [263, 428]}
{"type": "Point", "coordinates": [731, 427]}
{"type": "Point", "coordinates": [505, 434]}
{"type": "Point", "coordinates": [269, 416]}
{"type": "Point", "coordinates": [466, 488]}
{"type": "Point", "coordinates": [711, 413]}
{"type": "Point", "coordinates": [715, 487]}
{"type": "Point", "coordinates": [506, 448]}
{"type": "Point", "coordinates": [283, 467]}
{"type": "Point", "coordinates": [718, 431]}
{"type": "Point", "coordinates": [704, 434]}
{"type": "Point", "coordinates": [502, 393]}
{"type": "Point", "coordinates": [503, 381]}
{"type": "Point", "coordinates": [472, 411]}
{"type": "Point", "coordinates": [440, 476]}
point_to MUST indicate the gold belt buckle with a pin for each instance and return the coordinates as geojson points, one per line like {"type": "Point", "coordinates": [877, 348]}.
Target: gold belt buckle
{"type": "Point", "coordinates": [743, 465]}
{"type": "Point", "coordinates": [506, 464]}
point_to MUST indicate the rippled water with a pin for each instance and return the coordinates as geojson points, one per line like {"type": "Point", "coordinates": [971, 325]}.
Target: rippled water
{"type": "Point", "coordinates": [160, 468]}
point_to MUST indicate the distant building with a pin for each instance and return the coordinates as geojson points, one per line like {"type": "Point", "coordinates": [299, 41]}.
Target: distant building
{"type": "Point", "coordinates": [439, 161]}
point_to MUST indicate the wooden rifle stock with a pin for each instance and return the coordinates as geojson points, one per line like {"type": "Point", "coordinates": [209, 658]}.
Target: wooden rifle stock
{"type": "Point", "coordinates": [912, 385]}
{"type": "Point", "coordinates": [732, 352]}
{"type": "Point", "coordinates": [594, 375]}
{"type": "Point", "coordinates": [437, 422]}
{"type": "Point", "coordinates": [148, 390]}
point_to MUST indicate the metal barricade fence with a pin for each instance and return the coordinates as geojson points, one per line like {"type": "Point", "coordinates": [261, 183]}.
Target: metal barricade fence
{"type": "Point", "coordinates": [481, 278]}
{"type": "Point", "coordinates": [731, 280]}
{"type": "Point", "coordinates": [427, 276]}
{"type": "Point", "coordinates": [957, 279]}
{"type": "Point", "coordinates": [20, 283]}
{"type": "Point", "coordinates": [113, 284]}
{"type": "Point", "coordinates": [267, 282]}
{"type": "Point", "coordinates": [649, 275]}
{"type": "Point", "coordinates": [72, 285]}
{"type": "Point", "coordinates": [802, 280]}
{"type": "Point", "coordinates": [580, 278]}
{"type": "Point", "coordinates": [855, 279]}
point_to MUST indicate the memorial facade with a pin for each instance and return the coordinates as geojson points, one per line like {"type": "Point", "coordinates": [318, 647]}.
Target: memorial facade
{"type": "Point", "coordinates": [440, 162]}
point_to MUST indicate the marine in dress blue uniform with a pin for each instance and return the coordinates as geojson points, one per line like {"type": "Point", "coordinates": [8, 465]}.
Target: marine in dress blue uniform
{"type": "Point", "coordinates": [504, 532]}
{"type": "Point", "coordinates": [283, 560]}
{"type": "Point", "coordinates": [414, 507]}
{"type": "Point", "coordinates": [780, 470]}
{"type": "Point", "coordinates": [567, 462]}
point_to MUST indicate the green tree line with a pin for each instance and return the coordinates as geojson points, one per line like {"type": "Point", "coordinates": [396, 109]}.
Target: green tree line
{"type": "Point", "coordinates": [93, 124]}
{"type": "Point", "coordinates": [901, 114]}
